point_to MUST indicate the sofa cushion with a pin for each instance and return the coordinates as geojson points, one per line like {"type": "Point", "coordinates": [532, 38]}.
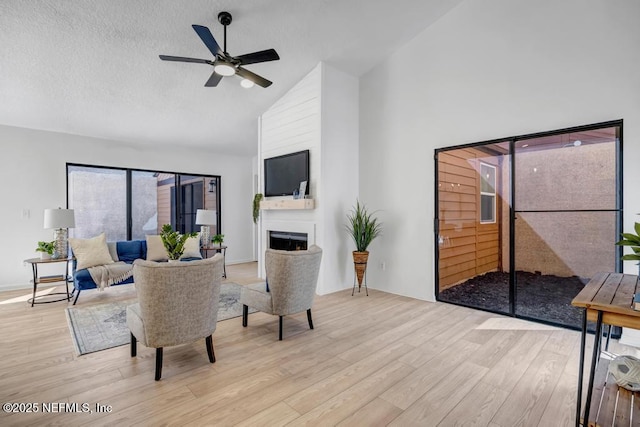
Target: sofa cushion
{"type": "Point", "coordinates": [129, 251]}
{"type": "Point", "coordinates": [91, 252]}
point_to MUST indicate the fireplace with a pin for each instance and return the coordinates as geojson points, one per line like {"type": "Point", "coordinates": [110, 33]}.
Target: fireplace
{"type": "Point", "coordinates": [287, 241]}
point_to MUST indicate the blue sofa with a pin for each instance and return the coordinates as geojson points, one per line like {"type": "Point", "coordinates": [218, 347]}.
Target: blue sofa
{"type": "Point", "coordinates": [128, 251]}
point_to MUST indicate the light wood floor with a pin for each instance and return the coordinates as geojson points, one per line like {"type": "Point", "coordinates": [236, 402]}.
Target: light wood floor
{"type": "Point", "coordinates": [377, 360]}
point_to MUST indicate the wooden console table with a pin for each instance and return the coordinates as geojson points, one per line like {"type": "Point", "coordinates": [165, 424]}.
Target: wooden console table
{"type": "Point", "coordinates": [606, 299]}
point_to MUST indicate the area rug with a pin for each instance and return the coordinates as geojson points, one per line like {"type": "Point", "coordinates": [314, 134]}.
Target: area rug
{"type": "Point", "coordinates": [103, 326]}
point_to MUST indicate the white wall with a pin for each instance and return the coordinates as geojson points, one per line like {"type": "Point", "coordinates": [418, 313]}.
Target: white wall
{"type": "Point", "coordinates": [34, 178]}
{"type": "Point", "coordinates": [320, 114]}
{"type": "Point", "coordinates": [487, 70]}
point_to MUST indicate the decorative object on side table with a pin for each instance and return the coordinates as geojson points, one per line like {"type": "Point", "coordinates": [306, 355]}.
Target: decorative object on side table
{"type": "Point", "coordinates": [363, 227]}
{"type": "Point", "coordinates": [46, 249]}
{"type": "Point", "coordinates": [174, 242]}
{"type": "Point", "coordinates": [256, 207]}
{"type": "Point", "coordinates": [205, 218]}
{"type": "Point", "coordinates": [218, 239]}
{"type": "Point", "coordinates": [60, 220]}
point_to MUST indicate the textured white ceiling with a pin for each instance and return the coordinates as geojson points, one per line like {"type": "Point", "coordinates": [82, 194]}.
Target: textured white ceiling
{"type": "Point", "coordinates": [91, 67]}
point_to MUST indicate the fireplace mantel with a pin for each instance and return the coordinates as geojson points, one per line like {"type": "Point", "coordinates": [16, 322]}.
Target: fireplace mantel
{"type": "Point", "coordinates": [287, 204]}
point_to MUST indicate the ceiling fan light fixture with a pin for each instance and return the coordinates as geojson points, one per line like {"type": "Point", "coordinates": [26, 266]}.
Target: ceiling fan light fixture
{"type": "Point", "coordinates": [247, 84]}
{"type": "Point", "coordinates": [224, 69]}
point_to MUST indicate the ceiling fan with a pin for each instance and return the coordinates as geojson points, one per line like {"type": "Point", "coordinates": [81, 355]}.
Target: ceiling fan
{"type": "Point", "coordinates": [225, 64]}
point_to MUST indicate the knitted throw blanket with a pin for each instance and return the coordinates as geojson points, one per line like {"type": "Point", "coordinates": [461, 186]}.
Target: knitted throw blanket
{"type": "Point", "coordinates": [110, 274]}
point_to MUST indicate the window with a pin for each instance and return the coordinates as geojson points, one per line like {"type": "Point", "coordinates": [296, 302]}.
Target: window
{"type": "Point", "coordinates": [128, 204]}
{"type": "Point", "coordinates": [487, 193]}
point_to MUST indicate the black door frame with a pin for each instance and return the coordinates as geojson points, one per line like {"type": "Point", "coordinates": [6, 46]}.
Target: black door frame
{"type": "Point", "coordinates": [618, 124]}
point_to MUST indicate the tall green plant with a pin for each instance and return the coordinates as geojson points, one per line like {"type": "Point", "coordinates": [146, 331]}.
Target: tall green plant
{"type": "Point", "coordinates": [362, 226]}
{"type": "Point", "coordinates": [173, 241]}
{"type": "Point", "coordinates": [633, 241]}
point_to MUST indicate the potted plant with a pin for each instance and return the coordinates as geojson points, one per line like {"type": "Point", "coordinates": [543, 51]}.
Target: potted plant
{"type": "Point", "coordinates": [174, 242]}
{"type": "Point", "coordinates": [363, 227]}
{"type": "Point", "coordinates": [218, 239]}
{"type": "Point", "coordinates": [256, 207]}
{"type": "Point", "coordinates": [633, 241]}
{"type": "Point", "coordinates": [46, 249]}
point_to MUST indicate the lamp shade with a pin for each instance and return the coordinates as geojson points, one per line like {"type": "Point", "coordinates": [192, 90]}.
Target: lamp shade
{"type": "Point", "coordinates": [59, 218]}
{"type": "Point", "coordinates": [205, 217]}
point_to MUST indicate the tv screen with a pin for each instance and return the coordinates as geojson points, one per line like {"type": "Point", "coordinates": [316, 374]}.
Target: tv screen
{"type": "Point", "coordinates": [283, 174]}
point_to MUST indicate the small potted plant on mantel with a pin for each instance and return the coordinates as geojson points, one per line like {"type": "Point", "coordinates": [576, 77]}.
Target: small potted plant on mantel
{"type": "Point", "coordinates": [46, 249]}
{"type": "Point", "coordinates": [174, 242]}
{"type": "Point", "coordinates": [363, 227]}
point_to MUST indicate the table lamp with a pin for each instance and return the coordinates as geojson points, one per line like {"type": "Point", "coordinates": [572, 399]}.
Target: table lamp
{"type": "Point", "coordinates": [205, 218]}
{"type": "Point", "coordinates": [60, 220]}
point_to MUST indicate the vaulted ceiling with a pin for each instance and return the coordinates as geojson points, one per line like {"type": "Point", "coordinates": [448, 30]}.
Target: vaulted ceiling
{"type": "Point", "coordinates": [91, 67]}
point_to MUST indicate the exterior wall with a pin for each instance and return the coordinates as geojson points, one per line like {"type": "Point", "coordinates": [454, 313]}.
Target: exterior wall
{"type": "Point", "coordinates": [467, 246]}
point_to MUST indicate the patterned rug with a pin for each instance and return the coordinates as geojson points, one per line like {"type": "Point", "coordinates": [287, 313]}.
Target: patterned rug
{"type": "Point", "coordinates": [103, 326]}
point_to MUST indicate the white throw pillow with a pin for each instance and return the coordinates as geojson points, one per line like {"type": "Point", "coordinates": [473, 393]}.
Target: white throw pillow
{"type": "Point", "coordinates": [155, 249]}
{"type": "Point", "coordinates": [91, 252]}
{"type": "Point", "coordinates": [192, 248]}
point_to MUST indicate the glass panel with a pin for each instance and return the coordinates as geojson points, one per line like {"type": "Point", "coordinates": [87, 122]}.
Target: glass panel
{"type": "Point", "coordinates": [567, 172]}
{"type": "Point", "coordinates": [144, 204]}
{"type": "Point", "coordinates": [487, 208]}
{"type": "Point", "coordinates": [473, 256]}
{"type": "Point", "coordinates": [557, 253]}
{"type": "Point", "coordinates": [561, 240]}
{"type": "Point", "coordinates": [165, 190]}
{"type": "Point", "coordinates": [98, 198]}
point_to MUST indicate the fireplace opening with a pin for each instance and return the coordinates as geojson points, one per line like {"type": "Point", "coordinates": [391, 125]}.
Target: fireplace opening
{"type": "Point", "coordinates": [286, 241]}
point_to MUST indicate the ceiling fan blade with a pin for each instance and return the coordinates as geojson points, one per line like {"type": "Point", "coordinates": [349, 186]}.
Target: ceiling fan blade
{"type": "Point", "coordinates": [213, 80]}
{"type": "Point", "coordinates": [246, 74]}
{"type": "Point", "coordinates": [183, 59]}
{"type": "Point", "coordinates": [255, 57]}
{"type": "Point", "coordinates": [208, 39]}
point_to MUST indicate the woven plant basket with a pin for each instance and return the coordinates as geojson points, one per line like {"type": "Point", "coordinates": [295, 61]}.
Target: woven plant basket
{"type": "Point", "coordinates": [360, 264]}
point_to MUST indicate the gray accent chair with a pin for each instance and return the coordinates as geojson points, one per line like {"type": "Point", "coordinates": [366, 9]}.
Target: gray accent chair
{"type": "Point", "coordinates": [292, 277]}
{"type": "Point", "coordinates": [177, 304]}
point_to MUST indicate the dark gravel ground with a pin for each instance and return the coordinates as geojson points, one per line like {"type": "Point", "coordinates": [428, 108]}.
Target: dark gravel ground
{"type": "Point", "coordinates": [539, 296]}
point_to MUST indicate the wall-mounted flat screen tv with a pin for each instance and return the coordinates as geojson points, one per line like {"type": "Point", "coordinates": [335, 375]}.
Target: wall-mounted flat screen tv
{"type": "Point", "coordinates": [283, 174]}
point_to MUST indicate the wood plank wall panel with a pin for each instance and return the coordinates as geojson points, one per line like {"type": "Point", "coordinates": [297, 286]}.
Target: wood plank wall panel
{"type": "Point", "coordinates": [469, 248]}
{"type": "Point", "coordinates": [293, 124]}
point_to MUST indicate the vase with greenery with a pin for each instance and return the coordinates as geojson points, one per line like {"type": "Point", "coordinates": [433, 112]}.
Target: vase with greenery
{"type": "Point", "coordinates": [174, 242]}
{"type": "Point", "coordinates": [363, 227]}
{"type": "Point", "coordinates": [46, 249]}
{"type": "Point", "coordinates": [633, 241]}
{"type": "Point", "coordinates": [218, 239]}
{"type": "Point", "coordinates": [256, 207]}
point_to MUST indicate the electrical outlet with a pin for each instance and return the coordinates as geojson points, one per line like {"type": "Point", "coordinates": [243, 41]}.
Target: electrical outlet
{"type": "Point", "coordinates": [26, 213]}
{"type": "Point", "coordinates": [383, 265]}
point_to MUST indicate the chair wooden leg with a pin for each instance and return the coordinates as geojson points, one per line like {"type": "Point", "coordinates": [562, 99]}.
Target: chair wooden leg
{"type": "Point", "coordinates": [158, 363]}
{"type": "Point", "coordinates": [134, 346]}
{"type": "Point", "coordinates": [280, 329]}
{"type": "Point", "coordinates": [245, 315]}
{"type": "Point", "coordinates": [309, 319]}
{"type": "Point", "coordinates": [212, 355]}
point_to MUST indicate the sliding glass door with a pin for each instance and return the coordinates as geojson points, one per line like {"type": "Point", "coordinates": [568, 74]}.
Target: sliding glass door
{"type": "Point", "coordinates": [473, 226]}
{"type": "Point", "coordinates": [567, 208]}
{"type": "Point", "coordinates": [524, 223]}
